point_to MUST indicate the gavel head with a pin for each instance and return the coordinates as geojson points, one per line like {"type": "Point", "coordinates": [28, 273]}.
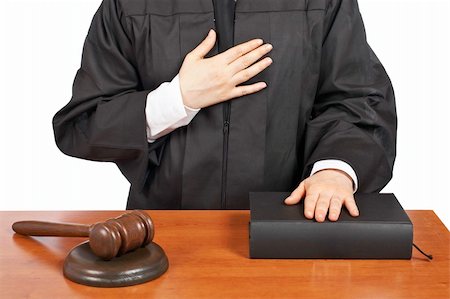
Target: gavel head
{"type": "Point", "coordinates": [120, 235]}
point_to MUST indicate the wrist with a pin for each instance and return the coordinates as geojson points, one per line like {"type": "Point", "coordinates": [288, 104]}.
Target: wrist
{"type": "Point", "coordinates": [337, 165]}
{"type": "Point", "coordinates": [341, 175]}
{"type": "Point", "coordinates": [185, 98]}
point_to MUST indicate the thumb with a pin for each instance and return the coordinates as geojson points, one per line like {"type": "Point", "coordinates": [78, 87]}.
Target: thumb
{"type": "Point", "coordinates": [206, 45]}
{"type": "Point", "coordinates": [296, 195]}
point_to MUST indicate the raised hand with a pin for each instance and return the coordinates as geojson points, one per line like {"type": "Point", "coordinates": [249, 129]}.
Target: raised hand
{"type": "Point", "coordinates": [208, 81]}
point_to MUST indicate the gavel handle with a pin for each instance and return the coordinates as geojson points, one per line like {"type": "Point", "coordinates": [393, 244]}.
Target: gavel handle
{"type": "Point", "coordinates": [40, 228]}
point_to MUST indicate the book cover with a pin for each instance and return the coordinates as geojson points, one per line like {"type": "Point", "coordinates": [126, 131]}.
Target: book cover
{"type": "Point", "coordinates": [381, 231]}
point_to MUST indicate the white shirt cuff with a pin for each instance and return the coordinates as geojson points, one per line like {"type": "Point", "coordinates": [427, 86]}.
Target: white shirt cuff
{"type": "Point", "coordinates": [165, 110]}
{"type": "Point", "coordinates": [336, 164]}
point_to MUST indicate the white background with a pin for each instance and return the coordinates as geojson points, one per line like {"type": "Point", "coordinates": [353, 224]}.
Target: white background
{"type": "Point", "coordinates": [41, 43]}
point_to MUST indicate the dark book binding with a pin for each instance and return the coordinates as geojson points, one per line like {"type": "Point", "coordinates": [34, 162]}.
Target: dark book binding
{"type": "Point", "coordinates": [381, 231]}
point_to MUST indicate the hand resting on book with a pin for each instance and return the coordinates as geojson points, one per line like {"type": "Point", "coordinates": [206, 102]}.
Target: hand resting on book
{"type": "Point", "coordinates": [326, 190]}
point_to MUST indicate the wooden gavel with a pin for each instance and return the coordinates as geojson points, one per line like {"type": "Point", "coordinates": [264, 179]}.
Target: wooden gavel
{"type": "Point", "coordinates": [108, 239]}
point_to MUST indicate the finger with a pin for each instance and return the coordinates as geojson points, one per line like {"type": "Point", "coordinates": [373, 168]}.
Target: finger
{"type": "Point", "coordinates": [296, 195]}
{"type": "Point", "coordinates": [335, 208]}
{"type": "Point", "coordinates": [248, 59]}
{"type": "Point", "coordinates": [235, 52]}
{"type": "Point", "coordinates": [205, 46]}
{"type": "Point", "coordinates": [310, 204]}
{"type": "Point", "coordinates": [350, 204]}
{"type": "Point", "coordinates": [322, 206]}
{"type": "Point", "coordinates": [250, 72]}
{"type": "Point", "coordinates": [247, 89]}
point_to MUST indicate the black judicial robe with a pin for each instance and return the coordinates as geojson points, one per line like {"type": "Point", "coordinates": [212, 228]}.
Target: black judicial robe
{"type": "Point", "coordinates": [328, 97]}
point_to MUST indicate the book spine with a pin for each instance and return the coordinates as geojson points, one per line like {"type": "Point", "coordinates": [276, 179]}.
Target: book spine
{"type": "Point", "coordinates": [364, 240]}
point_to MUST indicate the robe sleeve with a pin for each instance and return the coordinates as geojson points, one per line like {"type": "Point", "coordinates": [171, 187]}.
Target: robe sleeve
{"type": "Point", "coordinates": [353, 118]}
{"type": "Point", "coordinates": [105, 118]}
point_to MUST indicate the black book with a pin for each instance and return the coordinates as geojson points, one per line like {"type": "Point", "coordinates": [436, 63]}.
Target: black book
{"type": "Point", "coordinates": [381, 231]}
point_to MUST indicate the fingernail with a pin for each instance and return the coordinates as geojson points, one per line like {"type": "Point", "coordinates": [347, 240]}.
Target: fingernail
{"type": "Point", "coordinates": [210, 31]}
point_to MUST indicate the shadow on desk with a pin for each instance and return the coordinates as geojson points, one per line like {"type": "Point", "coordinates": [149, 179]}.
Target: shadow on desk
{"type": "Point", "coordinates": [48, 251]}
{"type": "Point", "coordinates": [237, 238]}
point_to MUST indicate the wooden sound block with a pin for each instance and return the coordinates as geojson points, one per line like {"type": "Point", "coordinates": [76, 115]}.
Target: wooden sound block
{"type": "Point", "coordinates": [141, 265]}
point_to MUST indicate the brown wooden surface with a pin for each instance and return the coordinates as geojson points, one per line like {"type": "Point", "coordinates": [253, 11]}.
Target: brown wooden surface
{"type": "Point", "coordinates": [208, 258]}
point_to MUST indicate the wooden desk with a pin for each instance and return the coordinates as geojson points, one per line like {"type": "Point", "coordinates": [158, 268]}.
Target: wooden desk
{"type": "Point", "coordinates": [208, 256]}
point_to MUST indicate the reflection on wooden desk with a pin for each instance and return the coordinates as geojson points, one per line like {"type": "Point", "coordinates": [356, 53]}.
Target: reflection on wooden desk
{"type": "Point", "coordinates": [208, 252]}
